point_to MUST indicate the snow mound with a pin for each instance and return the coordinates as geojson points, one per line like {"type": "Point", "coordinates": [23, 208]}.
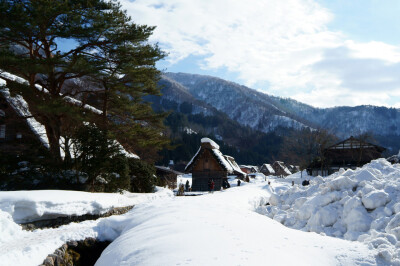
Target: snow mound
{"type": "Point", "coordinates": [18, 247]}
{"type": "Point", "coordinates": [28, 206]}
{"type": "Point", "coordinates": [361, 204]}
{"type": "Point", "coordinates": [8, 229]}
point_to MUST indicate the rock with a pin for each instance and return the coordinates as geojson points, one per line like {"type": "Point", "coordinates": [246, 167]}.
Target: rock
{"type": "Point", "coordinates": [72, 244]}
{"type": "Point", "coordinates": [48, 261]}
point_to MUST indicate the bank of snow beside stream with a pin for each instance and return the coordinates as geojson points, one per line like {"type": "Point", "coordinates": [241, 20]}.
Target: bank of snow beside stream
{"type": "Point", "coordinates": [19, 247]}
{"type": "Point", "coordinates": [362, 205]}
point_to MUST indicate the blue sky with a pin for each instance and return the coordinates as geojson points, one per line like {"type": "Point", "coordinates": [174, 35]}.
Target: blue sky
{"type": "Point", "coordinates": [320, 52]}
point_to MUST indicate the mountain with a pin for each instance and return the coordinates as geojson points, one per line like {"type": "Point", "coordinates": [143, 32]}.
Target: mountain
{"type": "Point", "coordinates": [210, 95]}
{"type": "Point", "coordinates": [246, 106]}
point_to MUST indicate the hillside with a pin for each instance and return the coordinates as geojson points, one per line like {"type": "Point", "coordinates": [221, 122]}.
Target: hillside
{"type": "Point", "coordinates": [268, 113]}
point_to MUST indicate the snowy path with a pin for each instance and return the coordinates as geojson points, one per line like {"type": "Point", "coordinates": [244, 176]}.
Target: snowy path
{"type": "Point", "coordinates": [223, 229]}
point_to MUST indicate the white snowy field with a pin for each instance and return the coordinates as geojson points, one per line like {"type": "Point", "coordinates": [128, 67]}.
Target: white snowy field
{"type": "Point", "coordinates": [230, 227]}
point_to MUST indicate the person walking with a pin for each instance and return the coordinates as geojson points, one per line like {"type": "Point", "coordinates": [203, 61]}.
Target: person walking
{"type": "Point", "coordinates": [212, 185]}
{"type": "Point", "coordinates": [187, 185]}
{"type": "Point", "coordinates": [238, 183]}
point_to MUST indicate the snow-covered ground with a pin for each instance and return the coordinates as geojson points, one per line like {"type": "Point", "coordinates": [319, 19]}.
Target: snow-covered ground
{"type": "Point", "coordinates": [361, 204]}
{"type": "Point", "coordinates": [230, 227]}
{"type": "Point", "coordinates": [223, 228]}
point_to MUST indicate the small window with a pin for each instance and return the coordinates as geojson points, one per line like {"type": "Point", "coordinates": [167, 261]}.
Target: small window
{"type": "Point", "coordinates": [2, 113]}
{"type": "Point", "coordinates": [19, 136]}
{"type": "Point", "coordinates": [2, 131]}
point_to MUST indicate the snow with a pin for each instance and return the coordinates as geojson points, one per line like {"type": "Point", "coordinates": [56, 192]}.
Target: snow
{"type": "Point", "coordinates": [234, 165]}
{"type": "Point", "coordinates": [223, 228]}
{"type": "Point", "coordinates": [375, 199]}
{"type": "Point", "coordinates": [283, 167]}
{"type": "Point", "coordinates": [215, 149]}
{"type": "Point", "coordinates": [5, 75]}
{"type": "Point", "coordinates": [18, 247]}
{"type": "Point", "coordinates": [191, 160]}
{"type": "Point", "coordinates": [349, 218]}
{"type": "Point", "coordinates": [21, 107]}
{"type": "Point", "coordinates": [358, 205]}
{"type": "Point", "coordinates": [222, 160]}
{"type": "Point", "coordinates": [269, 168]}
{"type": "Point", "coordinates": [28, 206]}
{"type": "Point", "coordinates": [212, 143]}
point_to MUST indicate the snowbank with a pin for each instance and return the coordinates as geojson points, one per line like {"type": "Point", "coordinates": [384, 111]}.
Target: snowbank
{"type": "Point", "coordinates": [27, 206]}
{"type": "Point", "coordinates": [18, 247]}
{"type": "Point", "coordinates": [362, 204]}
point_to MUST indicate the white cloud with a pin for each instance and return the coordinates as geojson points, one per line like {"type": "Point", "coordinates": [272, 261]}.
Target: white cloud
{"type": "Point", "coordinates": [285, 43]}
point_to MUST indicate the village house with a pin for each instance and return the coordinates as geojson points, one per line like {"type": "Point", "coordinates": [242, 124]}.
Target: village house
{"type": "Point", "coordinates": [248, 169]}
{"type": "Point", "coordinates": [236, 169]}
{"type": "Point", "coordinates": [267, 169]}
{"type": "Point", "coordinates": [168, 176]}
{"type": "Point", "coordinates": [348, 154]}
{"type": "Point", "coordinates": [18, 134]}
{"type": "Point", "coordinates": [294, 168]}
{"type": "Point", "coordinates": [280, 169]}
{"type": "Point", "coordinates": [210, 164]}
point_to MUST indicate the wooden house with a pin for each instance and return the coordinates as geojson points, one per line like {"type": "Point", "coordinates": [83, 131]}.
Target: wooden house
{"type": "Point", "coordinates": [248, 169]}
{"type": "Point", "coordinates": [18, 135]}
{"type": "Point", "coordinates": [168, 176]}
{"type": "Point", "coordinates": [280, 169]}
{"type": "Point", "coordinates": [350, 153]}
{"type": "Point", "coordinates": [236, 168]}
{"type": "Point", "coordinates": [294, 168]}
{"type": "Point", "coordinates": [267, 169]}
{"type": "Point", "coordinates": [210, 164]}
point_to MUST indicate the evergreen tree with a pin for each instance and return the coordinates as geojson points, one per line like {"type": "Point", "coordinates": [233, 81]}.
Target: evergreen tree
{"type": "Point", "coordinates": [99, 156]}
{"type": "Point", "coordinates": [111, 60]}
{"type": "Point", "coordinates": [143, 177]}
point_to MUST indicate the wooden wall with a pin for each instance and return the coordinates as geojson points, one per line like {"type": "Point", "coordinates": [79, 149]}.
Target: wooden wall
{"type": "Point", "coordinates": [207, 167]}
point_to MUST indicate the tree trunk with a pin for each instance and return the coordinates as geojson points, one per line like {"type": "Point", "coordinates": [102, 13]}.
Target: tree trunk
{"type": "Point", "coordinates": [53, 134]}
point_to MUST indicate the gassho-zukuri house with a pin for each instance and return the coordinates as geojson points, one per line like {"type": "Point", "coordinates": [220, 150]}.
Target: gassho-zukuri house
{"type": "Point", "coordinates": [348, 154]}
{"type": "Point", "coordinates": [209, 163]}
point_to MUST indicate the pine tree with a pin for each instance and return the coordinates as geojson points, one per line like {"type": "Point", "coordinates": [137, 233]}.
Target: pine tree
{"type": "Point", "coordinates": [111, 60]}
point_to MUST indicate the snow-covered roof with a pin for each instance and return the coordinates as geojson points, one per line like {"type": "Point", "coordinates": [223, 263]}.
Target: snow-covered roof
{"type": "Point", "coordinates": [216, 152]}
{"type": "Point", "coordinates": [20, 106]}
{"type": "Point", "coordinates": [234, 165]}
{"type": "Point", "coordinates": [8, 76]}
{"type": "Point", "coordinates": [192, 160]}
{"type": "Point", "coordinates": [211, 142]}
{"type": "Point", "coordinates": [222, 160]}
{"type": "Point", "coordinates": [353, 143]}
{"type": "Point", "coordinates": [283, 167]}
{"type": "Point", "coordinates": [269, 168]}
